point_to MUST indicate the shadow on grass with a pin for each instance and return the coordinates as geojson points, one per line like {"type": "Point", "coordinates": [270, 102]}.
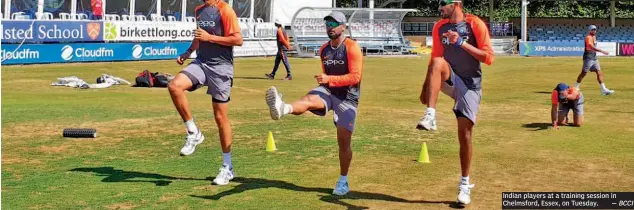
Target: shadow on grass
{"type": "Point", "coordinates": [543, 92]}
{"type": "Point", "coordinates": [262, 78]}
{"type": "Point", "coordinates": [257, 183]}
{"type": "Point", "coordinates": [537, 126]}
{"type": "Point", "coordinates": [113, 175]}
{"type": "Point", "coordinates": [617, 111]}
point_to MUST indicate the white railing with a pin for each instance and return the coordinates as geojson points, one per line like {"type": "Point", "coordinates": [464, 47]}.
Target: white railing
{"type": "Point", "coordinates": [64, 16]}
{"type": "Point", "coordinates": [112, 17]}
{"type": "Point", "coordinates": [79, 16]}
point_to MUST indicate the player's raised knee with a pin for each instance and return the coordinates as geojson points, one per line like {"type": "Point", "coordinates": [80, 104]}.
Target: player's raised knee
{"type": "Point", "coordinates": [438, 64]}
{"type": "Point", "coordinates": [179, 83]}
{"type": "Point", "coordinates": [310, 98]}
{"type": "Point", "coordinates": [438, 60]}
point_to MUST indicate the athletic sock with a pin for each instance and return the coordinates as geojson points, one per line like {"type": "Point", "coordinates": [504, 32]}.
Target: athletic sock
{"type": "Point", "coordinates": [603, 87]}
{"type": "Point", "coordinates": [577, 85]}
{"type": "Point", "coordinates": [431, 111]}
{"type": "Point", "coordinates": [226, 159]}
{"type": "Point", "coordinates": [343, 178]}
{"type": "Point", "coordinates": [464, 180]}
{"type": "Point", "coordinates": [191, 126]}
{"type": "Point", "coordinates": [287, 109]}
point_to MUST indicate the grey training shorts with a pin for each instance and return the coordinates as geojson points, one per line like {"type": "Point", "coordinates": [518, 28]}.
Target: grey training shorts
{"type": "Point", "coordinates": [591, 65]}
{"type": "Point", "coordinates": [218, 79]}
{"type": "Point", "coordinates": [467, 101]}
{"type": "Point", "coordinates": [345, 111]}
{"type": "Point", "coordinates": [576, 106]}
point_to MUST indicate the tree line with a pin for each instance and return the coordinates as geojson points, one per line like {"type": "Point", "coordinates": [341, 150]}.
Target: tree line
{"type": "Point", "coordinates": [505, 9]}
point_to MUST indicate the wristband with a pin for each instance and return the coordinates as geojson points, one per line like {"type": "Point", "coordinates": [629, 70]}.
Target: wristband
{"type": "Point", "coordinates": [459, 42]}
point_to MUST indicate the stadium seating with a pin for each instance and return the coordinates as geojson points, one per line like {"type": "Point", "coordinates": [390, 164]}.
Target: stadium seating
{"type": "Point", "coordinates": [425, 28]}
{"type": "Point", "coordinates": [501, 29]}
{"type": "Point", "coordinates": [381, 36]}
{"type": "Point", "coordinates": [577, 33]}
{"type": "Point", "coordinates": [417, 28]}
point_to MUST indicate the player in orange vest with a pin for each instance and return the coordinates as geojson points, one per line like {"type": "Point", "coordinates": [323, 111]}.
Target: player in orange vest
{"type": "Point", "coordinates": [282, 46]}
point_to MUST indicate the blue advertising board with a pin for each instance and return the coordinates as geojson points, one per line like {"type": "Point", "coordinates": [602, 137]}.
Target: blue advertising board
{"type": "Point", "coordinates": [15, 31]}
{"type": "Point", "coordinates": [539, 48]}
{"type": "Point", "coordinates": [85, 52]}
{"type": "Point", "coordinates": [563, 48]}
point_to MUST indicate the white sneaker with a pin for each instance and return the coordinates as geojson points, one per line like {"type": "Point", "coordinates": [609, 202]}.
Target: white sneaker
{"type": "Point", "coordinates": [607, 92]}
{"type": "Point", "coordinates": [428, 122]}
{"type": "Point", "coordinates": [341, 188]}
{"type": "Point", "coordinates": [191, 141]}
{"type": "Point", "coordinates": [224, 176]}
{"type": "Point", "coordinates": [464, 193]}
{"type": "Point", "coordinates": [274, 100]}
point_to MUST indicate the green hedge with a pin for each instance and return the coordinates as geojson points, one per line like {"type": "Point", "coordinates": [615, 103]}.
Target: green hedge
{"type": "Point", "coordinates": [506, 9]}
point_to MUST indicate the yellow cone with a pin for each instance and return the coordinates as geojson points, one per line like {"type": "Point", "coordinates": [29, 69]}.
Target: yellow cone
{"type": "Point", "coordinates": [270, 143]}
{"type": "Point", "coordinates": [424, 156]}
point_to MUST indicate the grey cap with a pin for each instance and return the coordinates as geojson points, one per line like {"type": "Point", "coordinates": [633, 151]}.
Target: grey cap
{"type": "Point", "coordinates": [592, 27]}
{"type": "Point", "coordinates": [337, 16]}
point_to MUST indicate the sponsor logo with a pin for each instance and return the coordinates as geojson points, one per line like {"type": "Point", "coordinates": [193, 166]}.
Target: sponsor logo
{"type": "Point", "coordinates": [110, 31]}
{"type": "Point", "coordinates": [166, 51]}
{"type": "Point", "coordinates": [445, 40]}
{"type": "Point", "coordinates": [202, 24]}
{"type": "Point", "coordinates": [69, 53]}
{"type": "Point", "coordinates": [462, 31]}
{"type": "Point", "coordinates": [626, 49]}
{"type": "Point", "coordinates": [50, 30]}
{"type": "Point", "coordinates": [545, 48]}
{"type": "Point", "coordinates": [139, 51]}
{"type": "Point", "coordinates": [93, 30]}
{"type": "Point", "coordinates": [57, 33]}
{"type": "Point", "coordinates": [20, 54]}
{"type": "Point", "coordinates": [154, 32]}
{"type": "Point", "coordinates": [334, 62]}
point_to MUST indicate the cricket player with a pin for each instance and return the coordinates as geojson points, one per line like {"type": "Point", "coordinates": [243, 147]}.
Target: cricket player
{"type": "Point", "coordinates": [339, 90]}
{"type": "Point", "coordinates": [564, 99]}
{"type": "Point", "coordinates": [590, 61]}
{"type": "Point", "coordinates": [282, 46]}
{"type": "Point", "coordinates": [460, 42]}
{"type": "Point", "coordinates": [218, 31]}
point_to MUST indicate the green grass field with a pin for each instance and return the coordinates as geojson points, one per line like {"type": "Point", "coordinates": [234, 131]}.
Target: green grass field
{"type": "Point", "coordinates": [135, 162]}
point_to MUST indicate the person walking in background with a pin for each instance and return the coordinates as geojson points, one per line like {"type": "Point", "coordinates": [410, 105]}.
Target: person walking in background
{"type": "Point", "coordinates": [282, 46]}
{"type": "Point", "coordinates": [590, 61]}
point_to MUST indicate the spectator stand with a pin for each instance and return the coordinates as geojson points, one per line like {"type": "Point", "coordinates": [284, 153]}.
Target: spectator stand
{"type": "Point", "coordinates": [377, 31]}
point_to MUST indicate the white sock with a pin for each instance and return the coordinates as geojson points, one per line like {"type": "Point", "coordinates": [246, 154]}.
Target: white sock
{"type": "Point", "coordinates": [603, 87]}
{"type": "Point", "coordinates": [464, 180]}
{"type": "Point", "coordinates": [577, 85]}
{"type": "Point", "coordinates": [343, 178]}
{"type": "Point", "coordinates": [287, 109]}
{"type": "Point", "coordinates": [226, 159]}
{"type": "Point", "coordinates": [191, 126]}
{"type": "Point", "coordinates": [431, 111]}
